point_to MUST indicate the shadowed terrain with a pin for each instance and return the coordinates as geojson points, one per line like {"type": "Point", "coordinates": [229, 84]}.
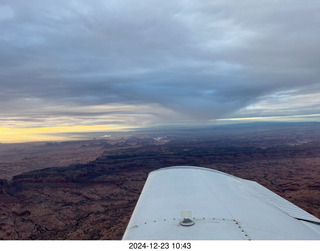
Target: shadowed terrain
{"type": "Point", "coordinates": [94, 200]}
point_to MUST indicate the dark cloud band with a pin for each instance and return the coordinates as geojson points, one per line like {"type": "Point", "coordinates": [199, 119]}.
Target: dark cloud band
{"type": "Point", "coordinates": [194, 60]}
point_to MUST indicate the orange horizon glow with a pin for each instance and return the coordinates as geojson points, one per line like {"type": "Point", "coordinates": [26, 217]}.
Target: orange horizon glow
{"type": "Point", "coordinates": [40, 134]}
{"type": "Point", "coordinates": [22, 135]}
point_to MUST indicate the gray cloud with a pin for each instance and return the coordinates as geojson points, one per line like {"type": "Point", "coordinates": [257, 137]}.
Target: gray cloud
{"type": "Point", "coordinates": [186, 60]}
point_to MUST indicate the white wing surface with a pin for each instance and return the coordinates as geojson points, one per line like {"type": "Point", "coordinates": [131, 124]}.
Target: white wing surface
{"type": "Point", "coordinates": [195, 203]}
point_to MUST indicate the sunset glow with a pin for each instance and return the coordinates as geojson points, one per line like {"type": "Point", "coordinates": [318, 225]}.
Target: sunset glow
{"type": "Point", "coordinates": [68, 67]}
{"type": "Point", "coordinates": [17, 135]}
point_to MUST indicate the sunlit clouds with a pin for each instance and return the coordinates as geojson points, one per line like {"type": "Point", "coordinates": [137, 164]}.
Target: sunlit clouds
{"type": "Point", "coordinates": [156, 63]}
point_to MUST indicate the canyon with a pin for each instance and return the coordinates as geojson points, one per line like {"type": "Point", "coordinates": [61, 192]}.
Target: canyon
{"type": "Point", "coordinates": [87, 190]}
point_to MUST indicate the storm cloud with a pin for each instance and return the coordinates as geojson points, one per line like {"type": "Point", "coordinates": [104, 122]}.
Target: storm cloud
{"type": "Point", "coordinates": [156, 62]}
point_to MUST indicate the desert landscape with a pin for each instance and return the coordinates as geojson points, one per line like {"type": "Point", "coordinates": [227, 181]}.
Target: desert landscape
{"type": "Point", "coordinates": [87, 190]}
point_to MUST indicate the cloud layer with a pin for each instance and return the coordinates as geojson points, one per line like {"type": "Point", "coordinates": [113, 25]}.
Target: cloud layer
{"type": "Point", "coordinates": [151, 62]}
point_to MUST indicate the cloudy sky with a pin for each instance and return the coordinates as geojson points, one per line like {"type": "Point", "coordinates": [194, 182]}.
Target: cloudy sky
{"type": "Point", "coordinates": [83, 65]}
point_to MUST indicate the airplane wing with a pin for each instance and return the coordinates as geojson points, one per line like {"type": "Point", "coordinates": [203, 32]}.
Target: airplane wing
{"type": "Point", "coordinates": [195, 203]}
